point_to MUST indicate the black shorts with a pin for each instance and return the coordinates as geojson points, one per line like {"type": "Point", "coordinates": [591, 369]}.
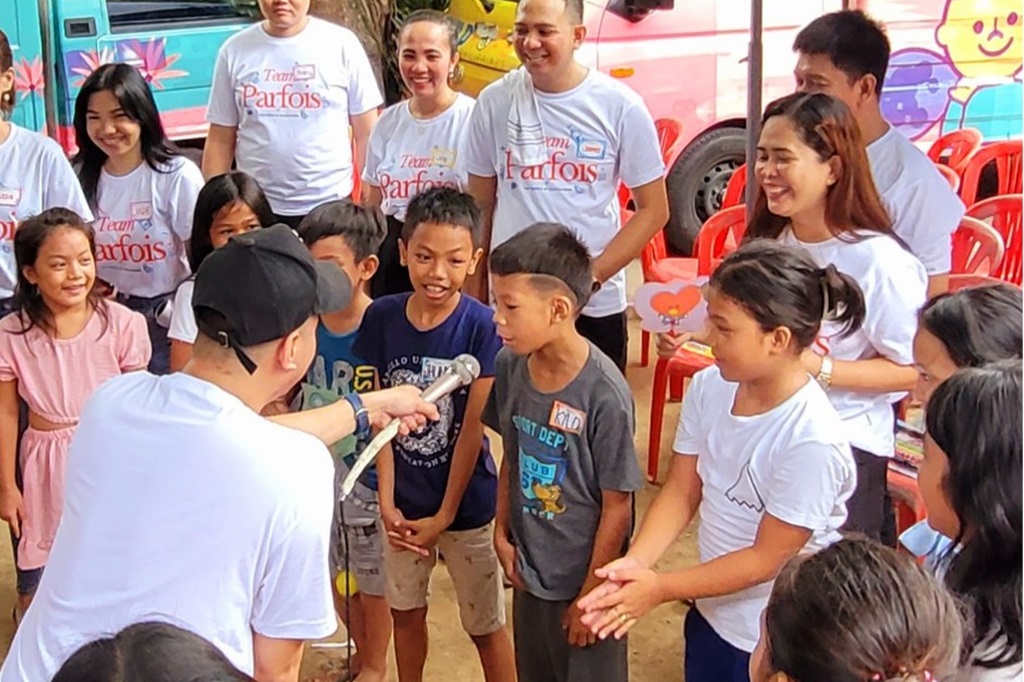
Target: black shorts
{"type": "Point", "coordinates": [607, 333]}
{"type": "Point", "coordinates": [869, 509]}
{"type": "Point", "coordinates": [392, 277]}
{"type": "Point", "coordinates": [543, 652]}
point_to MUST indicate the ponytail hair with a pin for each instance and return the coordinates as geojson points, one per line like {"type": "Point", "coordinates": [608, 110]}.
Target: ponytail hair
{"type": "Point", "coordinates": [860, 612]}
{"type": "Point", "coordinates": [780, 286]}
{"type": "Point", "coordinates": [974, 417]}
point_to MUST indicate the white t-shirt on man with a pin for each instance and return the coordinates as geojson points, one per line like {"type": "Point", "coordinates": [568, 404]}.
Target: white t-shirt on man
{"type": "Point", "coordinates": [925, 210]}
{"type": "Point", "coordinates": [143, 223]}
{"type": "Point", "coordinates": [792, 462]}
{"type": "Point", "coordinates": [597, 135]}
{"type": "Point", "coordinates": [34, 176]}
{"type": "Point", "coordinates": [291, 99]}
{"type": "Point", "coordinates": [184, 506]}
{"type": "Point", "coordinates": [895, 285]}
{"type": "Point", "coordinates": [408, 155]}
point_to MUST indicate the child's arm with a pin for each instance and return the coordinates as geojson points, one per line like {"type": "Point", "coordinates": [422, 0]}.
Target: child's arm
{"type": "Point", "coordinates": [12, 508]}
{"type": "Point", "coordinates": [670, 513]}
{"type": "Point", "coordinates": [464, 457]}
{"type": "Point", "coordinates": [641, 589]}
{"type": "Point", "coordinates": [503, 546]}
{"type": "Point", "coordinates": [612, 529]}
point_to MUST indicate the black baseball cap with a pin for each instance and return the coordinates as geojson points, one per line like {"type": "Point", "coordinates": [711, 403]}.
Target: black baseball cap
{"type": "Point", "coordinates": [263, 285]}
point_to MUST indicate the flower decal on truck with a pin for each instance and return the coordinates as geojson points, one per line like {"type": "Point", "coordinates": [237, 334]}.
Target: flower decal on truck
{"type": "Point", "coordinates": [29, 78]}
{"type": "Point", "coordinates": [150, 57]}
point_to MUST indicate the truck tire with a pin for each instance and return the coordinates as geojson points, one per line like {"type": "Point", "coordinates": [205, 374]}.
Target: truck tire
{"type": "Point", "coordinates": [697, 183]}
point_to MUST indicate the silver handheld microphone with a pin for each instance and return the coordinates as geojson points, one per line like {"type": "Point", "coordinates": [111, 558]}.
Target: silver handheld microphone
{"type": "Point", "coordinates": [462, 371]}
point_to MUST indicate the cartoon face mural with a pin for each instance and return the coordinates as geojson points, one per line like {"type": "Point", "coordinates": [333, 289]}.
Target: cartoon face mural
{"type": "Point", "coordinates": [973, 83]}
{"type": "Point", "coordinates": [982, 38]}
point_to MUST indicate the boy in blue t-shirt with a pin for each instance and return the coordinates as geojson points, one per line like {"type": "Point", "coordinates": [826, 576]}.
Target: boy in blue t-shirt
{"type": "Point", "coordinates": [438, 485]}
{"type": "Point", "coordinates": [349, 235]}
{"type": "Point", "coordinates": [565, 414]}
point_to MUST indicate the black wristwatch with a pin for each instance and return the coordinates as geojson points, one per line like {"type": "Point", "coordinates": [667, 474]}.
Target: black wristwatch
{"type": "Point", "coordinates": [362, 416]}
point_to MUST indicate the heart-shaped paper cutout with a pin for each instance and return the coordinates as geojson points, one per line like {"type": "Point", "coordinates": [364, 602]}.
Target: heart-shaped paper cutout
{"type": "Point", "coordinates": [676, 305]}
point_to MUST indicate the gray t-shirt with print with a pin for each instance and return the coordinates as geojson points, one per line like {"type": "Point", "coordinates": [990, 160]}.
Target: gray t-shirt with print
{"type": "Point", "coordinates": [562, 450]}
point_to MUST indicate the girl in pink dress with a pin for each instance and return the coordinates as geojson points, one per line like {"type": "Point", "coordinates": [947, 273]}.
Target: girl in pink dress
{"type": "Point", "coordinates": [60, 344]}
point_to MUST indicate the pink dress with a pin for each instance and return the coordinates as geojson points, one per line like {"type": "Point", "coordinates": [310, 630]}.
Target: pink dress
{"type": "Point", "coordinates": [55, 378]}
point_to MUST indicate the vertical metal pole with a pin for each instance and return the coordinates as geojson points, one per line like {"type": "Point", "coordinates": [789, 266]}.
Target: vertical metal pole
{"type": "Point", "coordinates": [754, 72]}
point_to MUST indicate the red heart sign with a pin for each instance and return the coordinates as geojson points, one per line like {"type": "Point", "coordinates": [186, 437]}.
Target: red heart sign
{"type": "Point", "coordinates": [676, 305]}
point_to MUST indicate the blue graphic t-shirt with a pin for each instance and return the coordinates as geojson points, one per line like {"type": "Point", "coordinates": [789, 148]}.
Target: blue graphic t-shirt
{"type": "Point", "coordinates": [403, 354]}
{"type": "Point", "coordinates": [337, 371]}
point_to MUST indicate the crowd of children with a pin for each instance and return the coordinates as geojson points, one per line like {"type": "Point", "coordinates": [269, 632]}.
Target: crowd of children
{"type": "Point", "coordinates": [820, 323]}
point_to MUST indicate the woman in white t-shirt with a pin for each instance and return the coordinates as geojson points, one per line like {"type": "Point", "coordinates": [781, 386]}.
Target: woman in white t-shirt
{"type": "Point", "coordinates": [759, 450]}
{"type": "Point", "coordinates": [34, 176]}
{"type": "Point", "coordinates": [971, 481]}
{"type": "Point", "coordinates": [227, 205]}
{"type": "Point", "coordinates": [816, 192]}
{"type": "Point", "coordinates": [417, 143]}
{"type": "Point", "coordinates": [284, 94]}
{"type": "Point", "coordinates": [143, 194]}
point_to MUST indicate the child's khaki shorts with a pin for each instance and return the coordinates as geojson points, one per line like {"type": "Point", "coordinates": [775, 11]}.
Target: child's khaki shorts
{"type": "Point", "coordinates": [473, 566]}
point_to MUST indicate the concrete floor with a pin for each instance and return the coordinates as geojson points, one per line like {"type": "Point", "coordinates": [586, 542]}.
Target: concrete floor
{"type": "Point", "coordinates": [655, 642]}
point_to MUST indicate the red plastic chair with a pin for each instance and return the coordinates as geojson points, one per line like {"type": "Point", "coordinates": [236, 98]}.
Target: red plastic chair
{"type": "Point", "coordinates": [1007, 156]}
{"type": "Point", "coordinates": [1005, 215]}
{"type": "Point", "coordinates": [736, 187]}
{"type": "Point", "coordinates": [952, 177]}
{"type": "Point", "coordinates": [977, 248]}
{"type": "Point", "coordinates": [718, 236]}
{"type": "Point", "coordinates": [955, 147]}
{"type": "Point", "coordinates": [658, 267]}
{"type": "Point", "coordinates": [906, 499]}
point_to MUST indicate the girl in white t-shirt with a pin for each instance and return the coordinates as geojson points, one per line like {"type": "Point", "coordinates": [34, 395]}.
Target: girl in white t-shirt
{"type": "Point", "coordinates": [857, 612]}
{"type": "Point", "coordinates": [34, 176]}
{"type": "Point", "coordinates": [971, 482]}
{"type": "Point", "coordinates": [227, 205]}
{"type": "Point", "coordinates": [816, 192]}
{"type": "Point", "coordinates": [143, 194]}
{"type": "Point", "coordinates": [759, 451]}
{"type": "Point", "coordinates": [417, 143]}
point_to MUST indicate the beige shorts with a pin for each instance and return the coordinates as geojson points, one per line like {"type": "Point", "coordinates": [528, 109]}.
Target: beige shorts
{"type": "Point", "coordinates": [473, 566]}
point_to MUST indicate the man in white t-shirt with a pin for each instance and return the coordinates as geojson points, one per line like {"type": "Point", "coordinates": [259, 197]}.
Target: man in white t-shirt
{"type": "Point", "coordinates": [551, 142]}
{"type": "Point", "coordinates": [284, 94]}
{"type": "Point", "coordinates": [845, 54]}
{"type": "Point", "coordinates": [183, 505]}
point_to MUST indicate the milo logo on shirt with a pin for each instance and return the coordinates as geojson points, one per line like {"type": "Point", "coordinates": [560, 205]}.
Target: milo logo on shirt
{"type": "Point", "coordinates": [430, 446]}
{"type": "Point", "coordinates": [282, 92]}
{"type": "Point", "coordinates": [569, 162]}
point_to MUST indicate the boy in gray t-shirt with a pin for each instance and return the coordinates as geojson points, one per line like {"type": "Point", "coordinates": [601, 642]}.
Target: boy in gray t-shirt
{"type": "Point", "coordinates": [565, 495]}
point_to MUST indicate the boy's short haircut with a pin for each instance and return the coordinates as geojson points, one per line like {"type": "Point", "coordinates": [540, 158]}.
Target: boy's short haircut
{"type": "Point", "coordinates": [547, 250]}
{"type": "Point", "coordinates": [443, 206]}
{"type": "Point", "coordinates": [852, 40]}
{"type": "Point", "coordinates": [363, 229]}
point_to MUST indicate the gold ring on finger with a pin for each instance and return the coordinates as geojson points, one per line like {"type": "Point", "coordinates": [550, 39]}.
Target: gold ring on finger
{"type": "Point", "coordinates": [623, 618]}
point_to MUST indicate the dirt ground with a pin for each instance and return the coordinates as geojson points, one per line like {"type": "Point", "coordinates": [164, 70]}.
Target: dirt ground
{"type": "Point", "coordinates": [655, 642]}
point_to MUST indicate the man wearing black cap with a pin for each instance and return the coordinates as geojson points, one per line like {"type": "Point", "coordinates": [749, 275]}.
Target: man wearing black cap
{"type": "Point", "coordinates": [184, 505]}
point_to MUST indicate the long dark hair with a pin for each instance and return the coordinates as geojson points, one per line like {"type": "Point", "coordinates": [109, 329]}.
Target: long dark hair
{"type": "Point", "coordinates": [974, 417]}
{"type": "Point", "coordinates": [218, 192]}
{"type": "Point", "coordinates": [136, 99]}
{"type": "Point", "coordinates": [6, 64]}
{"type": "Point", "coordinates": [858, 611]}
{"type": "Point", "coordinates": [827, 126]}
{"type": "Point", "coordinates": [150, 652]}
{"type": "Point", "coordinates": [977, 325]}
{"type": "Point", "coordinates": [782, 287]}
{"type": "Point", "coordinates": [28, 239]}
